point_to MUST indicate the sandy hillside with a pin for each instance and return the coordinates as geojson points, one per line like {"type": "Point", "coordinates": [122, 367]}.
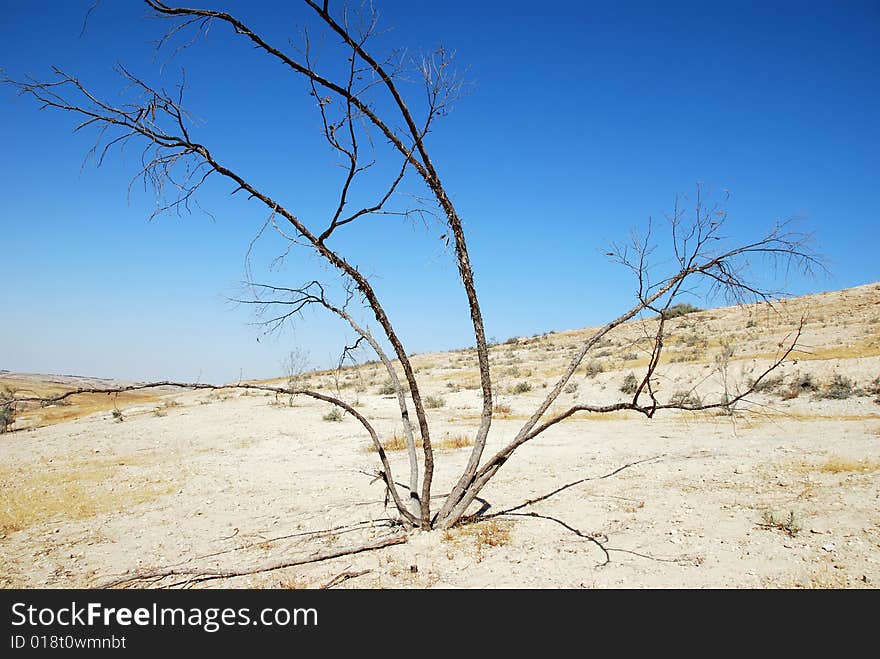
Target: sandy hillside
{"type": "Point", "coordinates": [783, 493]}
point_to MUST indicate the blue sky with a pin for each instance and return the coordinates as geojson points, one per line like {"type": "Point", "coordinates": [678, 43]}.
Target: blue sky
{"type": "Point", "coordinates": [584, 120]}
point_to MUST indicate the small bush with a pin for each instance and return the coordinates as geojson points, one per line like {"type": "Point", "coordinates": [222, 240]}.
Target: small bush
{"type": "Point", "coordinates": [333, 415]}
{"type": "Point", "coordinates": [789, 525]}
{"type": "Point", "coordinates": [521, 387]}
{"type": "Point", "coordinates": [679, 310]}
{"type": "Point", "coordinates": [685, 399]}
{"type": "Point", "coordinates": [594, 368]}
{"type": "Point", "coordinates": [434, 402]}
{"type": "Point", "coordinates": [769, 385]}
{"type": "Point", "coordinates": [630, 384]}
{"type": "Point", "coordinates": [117, 416]}
{"type": "Point", "coordinates": [7, 409]}
{"type": "Point", "coordinates": [501, 408]}
{"type": "Point", "coordinates": [805, 382]}
{"type": "Point", "coordinates": [387, 389]}
{"type": "Point", "coordinates": [570, 388]}
{"type": "Point", "coordinates": [7, 418]}
{"type": "Point", "coordinates": [874, 389]}
{"type": "Point", "coordinates": [695, 341]}
{"type": "Point", "coordinates": [839, 388]}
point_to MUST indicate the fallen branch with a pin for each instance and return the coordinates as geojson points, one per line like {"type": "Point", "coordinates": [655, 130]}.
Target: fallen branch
{"type": "Point", "coordinates": [343, 576]}
{"type": "Point", "coordinates": [577, 532]}
{"type": "Point", "coordinates": [544, 497]}
{"type": "Point", "coordinates": [194, 576]}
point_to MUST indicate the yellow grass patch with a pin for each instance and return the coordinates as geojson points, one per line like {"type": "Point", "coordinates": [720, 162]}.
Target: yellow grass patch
{"type": "Point", "coordinates": [76, 489]}
{"type": "Point", "coordinates": [459, 440]}
{"type": "Point", "coordinates": [839, 466]}
{"type": "Point", "coordinates": [397, 442]}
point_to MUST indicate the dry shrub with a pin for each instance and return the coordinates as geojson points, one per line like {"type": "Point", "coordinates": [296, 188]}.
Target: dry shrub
{"type": "Point", "coordinates": [397, 442]}
{"type": "Point", "coordinates": [678, 310]}
{"type": "Point", "coordinates": [839, 388]}
{"type": "Point", "coordinates": [521, 388]}
{"type": "Point", "coordinates": [502, 409]}
{"type": "Point", "coordinates": [434, 402]}
{"type": "Point", "coordinates": [593, 369]}
{"type": "Point", "coordinates": [630, 384]}
{"type": "Point", "coordinates": [460, 440]}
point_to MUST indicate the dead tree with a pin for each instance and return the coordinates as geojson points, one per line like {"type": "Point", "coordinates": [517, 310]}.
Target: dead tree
{"type": "Point", "coordinates": [369, 104]}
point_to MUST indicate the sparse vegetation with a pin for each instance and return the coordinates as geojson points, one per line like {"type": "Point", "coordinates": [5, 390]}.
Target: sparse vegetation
{"type": "Point", "coordinates": [76, 489]}
{"type": "Point", "coordinates": [874, 389]}
{"type": "Point", "coordinates": [839, 387]}
{"type": "Point", "coordinates": [630, 384]}
{"type": "Point", "coordinates": [334, 415]}
{"type": "Point", "coordinates": [397, 442]}
{"type": "Point", "coordinates": [570, 388]}
{"type": "Point", "coordinates": [7, 409]}
{"type": "Point", "coordinates": [593, 368]}
{"type": "Point", "coordinates": [501, 408]}
{"type": "Point", "coordinates": [684, 398]}
{"type": "Point", "coordinates": [846, 466]}
{"type": "Point", "coordinates": [460, 440]}
{"type": "Point", "coordinates": [789, 525]}
{"type": "Point", "coordinates": [722, 364]}
{"type": "Point", "coordinates": [768, 385]}
{"type": "Point", "coordinates": [521, 388]}
{"type": "Point", "coordinates": [387, 388]}
{"type": "Point", "coordinates": [487, 534]}
{"type": "Point", "coordinates": [434, 402]}
{"type": "Point", "coordinates": [678, 310]}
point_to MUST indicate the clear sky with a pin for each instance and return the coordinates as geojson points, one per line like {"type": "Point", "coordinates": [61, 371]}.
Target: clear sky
{"type": "Point", "coordinates": [584, 120]}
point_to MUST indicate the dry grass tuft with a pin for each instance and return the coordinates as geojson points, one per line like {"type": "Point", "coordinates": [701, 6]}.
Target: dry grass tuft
{"type": "Point", "coordinates": [397, 442]}
{"type": "Point", "coordinates": [293, 583]}
{"type": "Point", "coordinates": [838, 466]}
{"type": "Point", "coordinates": [501, 409]}
{"type": "Point", "coordinates": [841, 466]}
{"type": "Point", "coordinates": [457, 441]}
{"type": "Point", "coordinates": [483, 535]}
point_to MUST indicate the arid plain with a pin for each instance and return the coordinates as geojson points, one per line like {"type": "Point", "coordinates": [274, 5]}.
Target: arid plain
{"type": "Point", "coordinates": [782, 491]}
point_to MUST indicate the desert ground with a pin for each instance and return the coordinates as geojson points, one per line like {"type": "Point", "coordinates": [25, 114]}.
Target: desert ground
{"type": "Point", "coordinates": [782, 492]}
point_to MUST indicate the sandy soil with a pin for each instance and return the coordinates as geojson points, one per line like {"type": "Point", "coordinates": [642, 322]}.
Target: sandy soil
{"type": "Point", "coordinates": [785, 493]}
